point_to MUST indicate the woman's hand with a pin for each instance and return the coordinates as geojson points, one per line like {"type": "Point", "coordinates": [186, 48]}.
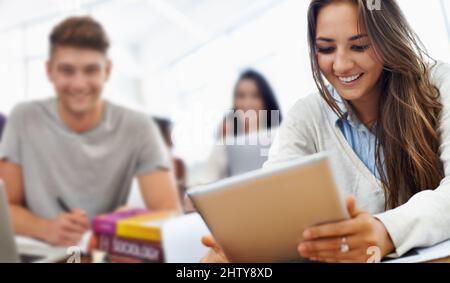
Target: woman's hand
{"type": "Point", "coordinates": [365, 236]}
{"type": "Point", "coordinates": [215, 254]}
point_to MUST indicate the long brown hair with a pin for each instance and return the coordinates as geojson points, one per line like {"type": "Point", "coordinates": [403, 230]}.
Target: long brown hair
{"type": "Point", "coordinates": [410, 108]}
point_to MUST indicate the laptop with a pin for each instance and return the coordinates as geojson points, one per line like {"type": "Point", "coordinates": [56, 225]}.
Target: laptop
{"type": "Point", "coordinates": [259, 217]}
{"type": "Point", "coordinates": [10, 252]}
{"type": "Point", "coordinates": [247, 153]}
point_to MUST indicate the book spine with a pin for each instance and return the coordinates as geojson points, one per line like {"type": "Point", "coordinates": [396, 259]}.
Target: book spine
{"type": "Point", "coordinates": [143, 250]}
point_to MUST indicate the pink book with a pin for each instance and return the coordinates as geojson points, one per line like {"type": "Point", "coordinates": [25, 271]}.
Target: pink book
{"type": "Point", "coordinates": [106, 223]}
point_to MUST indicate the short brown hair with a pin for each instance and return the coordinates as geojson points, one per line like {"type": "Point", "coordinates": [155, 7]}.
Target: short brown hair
{"type": "Point", "coordinates": [79, 32]}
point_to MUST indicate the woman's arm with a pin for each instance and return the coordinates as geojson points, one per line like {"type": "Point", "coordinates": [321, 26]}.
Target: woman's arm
{"type": "Point", "coordinates": [425, 219]}
{"type": "Point", "coordinates": [295, 138]}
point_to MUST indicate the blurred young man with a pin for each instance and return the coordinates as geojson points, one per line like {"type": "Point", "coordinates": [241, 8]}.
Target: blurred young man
{"type": "Point", "coordinates": [69, 158]}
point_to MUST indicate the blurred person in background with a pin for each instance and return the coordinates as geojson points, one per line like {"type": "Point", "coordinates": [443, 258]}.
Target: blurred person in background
{"type": "Point", "coordinates": [165, 126]}
{"type": "Point", "coordinates": [69, 158]}
{"type": "Point", "coordinates": [2, 125]}
{"type": "Point", "coordinates": [247, 131]}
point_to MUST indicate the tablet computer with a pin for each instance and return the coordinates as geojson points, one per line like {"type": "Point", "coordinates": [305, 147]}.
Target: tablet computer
{"type": "Point", "coordinates": [260, 216]}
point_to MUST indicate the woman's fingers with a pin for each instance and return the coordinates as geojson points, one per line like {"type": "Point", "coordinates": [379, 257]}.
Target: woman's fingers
{"type": "Point", "coordinates": [209, 242]}
{"type": "Point", "coordinates": [332, 230]}
{"type": "Point", "coordinates": [352, 209]}
{"type": "Point", "coordinates": [338, 229]}
{"type": "Point", "coordinates": [215, 255]}
{"type": "Point", "coordinates": [307, 249]}
{"type": "Point", "coordinates": [351, 205]}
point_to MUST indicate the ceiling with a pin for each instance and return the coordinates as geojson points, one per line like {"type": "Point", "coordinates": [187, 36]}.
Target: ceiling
{"type": "Point", "coordinates": [168, 28]}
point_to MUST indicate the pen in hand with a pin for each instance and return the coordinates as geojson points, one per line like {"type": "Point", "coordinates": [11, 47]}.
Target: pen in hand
{"type": "Point", "coordinates": [85, 237]}
{"type": "Point", "coordinates": [63, 205]}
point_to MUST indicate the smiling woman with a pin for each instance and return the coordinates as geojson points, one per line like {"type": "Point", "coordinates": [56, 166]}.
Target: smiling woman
{"type": "Point", "coordinates": [347, 58]}
{"type": "Point", "coordinates": [374, 61]}
{"type": "Point", "coordinates": [385, 120]}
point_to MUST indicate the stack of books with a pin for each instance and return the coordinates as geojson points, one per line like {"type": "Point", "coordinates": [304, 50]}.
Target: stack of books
{"type": "Point", "coordinates": [131, 235]}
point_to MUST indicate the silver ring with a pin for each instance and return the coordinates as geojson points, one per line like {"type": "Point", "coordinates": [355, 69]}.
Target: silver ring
{"type": "Point", "coordinates": [345, 248]}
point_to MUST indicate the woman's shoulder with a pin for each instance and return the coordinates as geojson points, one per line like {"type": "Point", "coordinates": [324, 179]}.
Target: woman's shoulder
{"type": "Point", "coordinates": [440, 78]}
{"type": "Point", "coordinates": [439, 67]}
{"type": "Point", "coordinates": [439, 73]}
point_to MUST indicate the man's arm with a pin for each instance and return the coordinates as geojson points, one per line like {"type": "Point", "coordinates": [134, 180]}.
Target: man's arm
{"type": "Point", "coordinates": [66, 230]}
{"type": "Point", "coordinates": [159, 191]}
{"type": "Point", "coordinates": [21, 217]}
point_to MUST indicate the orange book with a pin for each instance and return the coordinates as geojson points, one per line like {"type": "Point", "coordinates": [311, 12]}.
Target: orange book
{"type": "Point", "coordinates": [144, 227]}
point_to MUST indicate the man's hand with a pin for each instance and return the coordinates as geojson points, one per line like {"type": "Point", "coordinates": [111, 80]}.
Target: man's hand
{"type": "Point", "coordinates": [67, 229]}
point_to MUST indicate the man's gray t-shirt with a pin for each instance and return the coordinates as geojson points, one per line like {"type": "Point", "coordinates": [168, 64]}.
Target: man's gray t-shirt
{"type": "Point", "coordinates": [93, 170]}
